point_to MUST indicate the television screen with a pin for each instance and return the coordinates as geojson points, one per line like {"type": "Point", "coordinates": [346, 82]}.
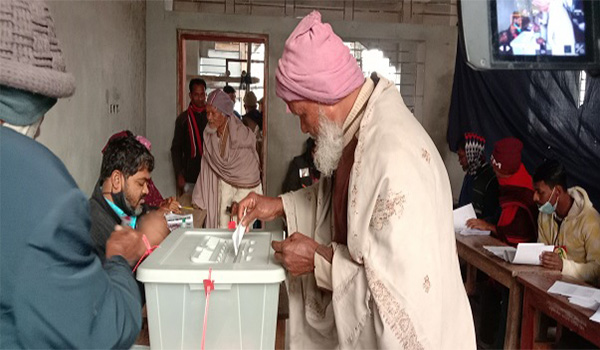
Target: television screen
{"type": "Point", "coordinates": [551, 28]}
{"type": "Point", "coordinates": [531, 34]}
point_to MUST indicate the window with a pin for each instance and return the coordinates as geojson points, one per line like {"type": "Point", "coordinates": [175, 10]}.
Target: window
{"type": "Point", "coordinates": [374, 61]}
{"type": "Point", "coordinates": [398, 61]}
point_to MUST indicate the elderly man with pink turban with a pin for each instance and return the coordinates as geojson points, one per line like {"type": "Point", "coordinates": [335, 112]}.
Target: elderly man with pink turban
{"type": "Point", "coordinates": [230, 166]}
{"type": "Point", "coordinates": [372, 259]}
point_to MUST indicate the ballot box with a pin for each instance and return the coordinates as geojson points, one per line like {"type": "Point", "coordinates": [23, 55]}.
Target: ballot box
{"type": "Point", "coordinates": [242, 311]}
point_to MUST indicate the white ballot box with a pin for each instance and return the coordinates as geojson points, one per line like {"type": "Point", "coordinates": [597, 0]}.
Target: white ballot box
{"type": "Point", "coordinates": [242, 311]}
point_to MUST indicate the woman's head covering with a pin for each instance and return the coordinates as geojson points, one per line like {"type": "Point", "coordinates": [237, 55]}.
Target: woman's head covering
{"type": "Point", "coordinates": [474, 150]}
{"type": "Point", "coordinates": [506, 157]}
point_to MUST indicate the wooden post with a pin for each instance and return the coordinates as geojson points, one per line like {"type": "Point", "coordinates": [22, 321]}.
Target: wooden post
{"type": "Point", "coordinates": [527, 322]}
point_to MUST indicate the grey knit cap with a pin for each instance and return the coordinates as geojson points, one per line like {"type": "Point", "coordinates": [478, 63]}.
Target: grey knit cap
{"type": "Point", "coordinates": [221, 101]}
{"type": "Point", "coordinates": [30, 57]}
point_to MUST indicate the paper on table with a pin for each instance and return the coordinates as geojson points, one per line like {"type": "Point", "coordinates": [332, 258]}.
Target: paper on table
{"type": "Point", "coordinates": [596, 316]}
{"type": "Point", "coordinates": [574, 290]}
{"type": "Point", "coordinates": [474, 232]}
{"type": "Point", "coordinates": [587, 303]}
{"type": "Point", "coordinates": [500, 251]}
{"type": "Point", "coordinates": [587, 297]}
{"type": "Point", "coordinates": [461, 215]}
{"type": "Point", "coordinates": [529, 253]}
{"type": "Point", "coordinates": [525, 253]}
{"type": "Point", "coordinates": [175, 221]}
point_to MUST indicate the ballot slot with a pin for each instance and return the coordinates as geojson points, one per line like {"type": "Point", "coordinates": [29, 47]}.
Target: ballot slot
{"type": "Point", "coordinates": [220, 250]}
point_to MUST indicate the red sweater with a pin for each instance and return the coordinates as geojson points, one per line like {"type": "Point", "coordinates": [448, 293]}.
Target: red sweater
{"type": "Point", "coordinates": [518, 220]}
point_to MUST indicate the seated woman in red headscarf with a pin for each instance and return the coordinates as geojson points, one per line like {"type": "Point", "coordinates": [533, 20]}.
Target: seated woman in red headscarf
{"type": "Point", "coordinates": [518, 219]}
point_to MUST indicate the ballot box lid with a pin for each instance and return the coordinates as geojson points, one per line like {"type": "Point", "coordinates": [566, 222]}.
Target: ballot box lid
{"type": "Point", "coordinates": [186, 255]}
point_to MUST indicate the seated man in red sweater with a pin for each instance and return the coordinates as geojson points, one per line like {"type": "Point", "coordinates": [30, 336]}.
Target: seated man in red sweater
{"type": "Point", "coordinates": [518, 219]}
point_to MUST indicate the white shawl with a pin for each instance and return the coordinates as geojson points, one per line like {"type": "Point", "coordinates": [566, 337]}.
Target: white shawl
{"type": "Point", "coordinates": [397, 284]}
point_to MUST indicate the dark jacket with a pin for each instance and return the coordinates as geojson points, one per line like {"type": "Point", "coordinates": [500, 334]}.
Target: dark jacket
{"type": "Point", "coordinates": [181, 150]}
{"type": "Point", "coordinates": [255, 116]}
{"type": "Point", "coordinates": [301, 173]}
{"type": "Point", "coordinates": [481, 190]}
{"type": "Point", "coordinates": [104, 220]}
{"type": "Point", "coordinates": [54, 291]}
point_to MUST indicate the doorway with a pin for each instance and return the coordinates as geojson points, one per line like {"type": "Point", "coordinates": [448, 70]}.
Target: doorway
{"type": "Point", "coordinates": [237, 60]}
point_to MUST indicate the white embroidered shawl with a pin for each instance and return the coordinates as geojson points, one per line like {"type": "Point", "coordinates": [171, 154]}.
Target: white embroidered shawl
{"type": "Point", "coordinates": [397, 284]}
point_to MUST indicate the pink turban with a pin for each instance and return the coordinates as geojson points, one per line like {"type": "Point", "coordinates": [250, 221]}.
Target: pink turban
{"type": "Point", "coordinates": [316, 65]}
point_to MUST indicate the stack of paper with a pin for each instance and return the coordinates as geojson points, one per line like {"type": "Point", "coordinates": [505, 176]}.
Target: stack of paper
{"type": "Point", "coordinates": [574, 290]}
{"type": "Point", "coordinates": [175, 221]}
{"type": "Point", "coordinates": [583, 296]}
{"type": "Point", "coordinates": [525, 253]}
{"type": "Point", "coordinates": [461, 216]}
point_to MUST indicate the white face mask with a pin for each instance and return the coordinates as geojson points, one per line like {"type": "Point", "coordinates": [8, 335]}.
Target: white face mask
{"type": "Point", "coordinates": [30, 130]}
{"type": "Point", "coordinates": [548, 208]}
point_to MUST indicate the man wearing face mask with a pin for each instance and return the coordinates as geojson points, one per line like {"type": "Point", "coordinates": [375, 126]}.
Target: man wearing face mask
{"type": "Point", "coordinates": [55, 292]}
{"type": "Point", "coordinates": [568, 221]}
{"type": "Point", "coordinates": [118, 197]}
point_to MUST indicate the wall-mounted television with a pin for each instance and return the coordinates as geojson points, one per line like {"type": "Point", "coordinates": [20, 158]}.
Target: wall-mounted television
{"type": "Point", "coordinates": [531, 34]}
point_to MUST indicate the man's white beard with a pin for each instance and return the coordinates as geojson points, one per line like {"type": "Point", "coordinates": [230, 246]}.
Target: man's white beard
{"type": "Point", "coordinates": [329, 145]}
{"type": "Point", "coordinates": [210, 130]}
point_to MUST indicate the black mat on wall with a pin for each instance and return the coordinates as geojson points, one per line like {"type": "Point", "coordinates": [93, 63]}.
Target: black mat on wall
{"type": "Point", "coordinates": [538, 107]}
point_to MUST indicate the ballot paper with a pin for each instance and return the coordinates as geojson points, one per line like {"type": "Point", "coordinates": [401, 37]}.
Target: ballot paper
{"type": "Point", "coordinates": [575, 290]}
{"type": "Point", "coordinates": [175, 221]}
{"type": "Point", "coordinates": [583, 296]}
{"type": "Point", "coordinates": [587, 303]}
{"type": "Point", "coordinates": [524, 254]}
{"type": "Point", "coordinates": [237, 235]}
{"type": "Point", "coordinates": [461, 216]}
{"type": "Point", "coordinates": [499, 251]}
{"type": "Point", "coordinates": [474, 232]}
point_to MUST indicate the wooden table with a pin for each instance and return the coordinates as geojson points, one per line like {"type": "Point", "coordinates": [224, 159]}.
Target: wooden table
{"type": "Point", "coordinates": [470, 249]}
{"type": "Point", "coordinates": [537, 299]}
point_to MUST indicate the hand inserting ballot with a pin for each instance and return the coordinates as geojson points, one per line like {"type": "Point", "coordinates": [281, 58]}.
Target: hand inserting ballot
{"type": "Point", "coordinates": [258, 207]}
